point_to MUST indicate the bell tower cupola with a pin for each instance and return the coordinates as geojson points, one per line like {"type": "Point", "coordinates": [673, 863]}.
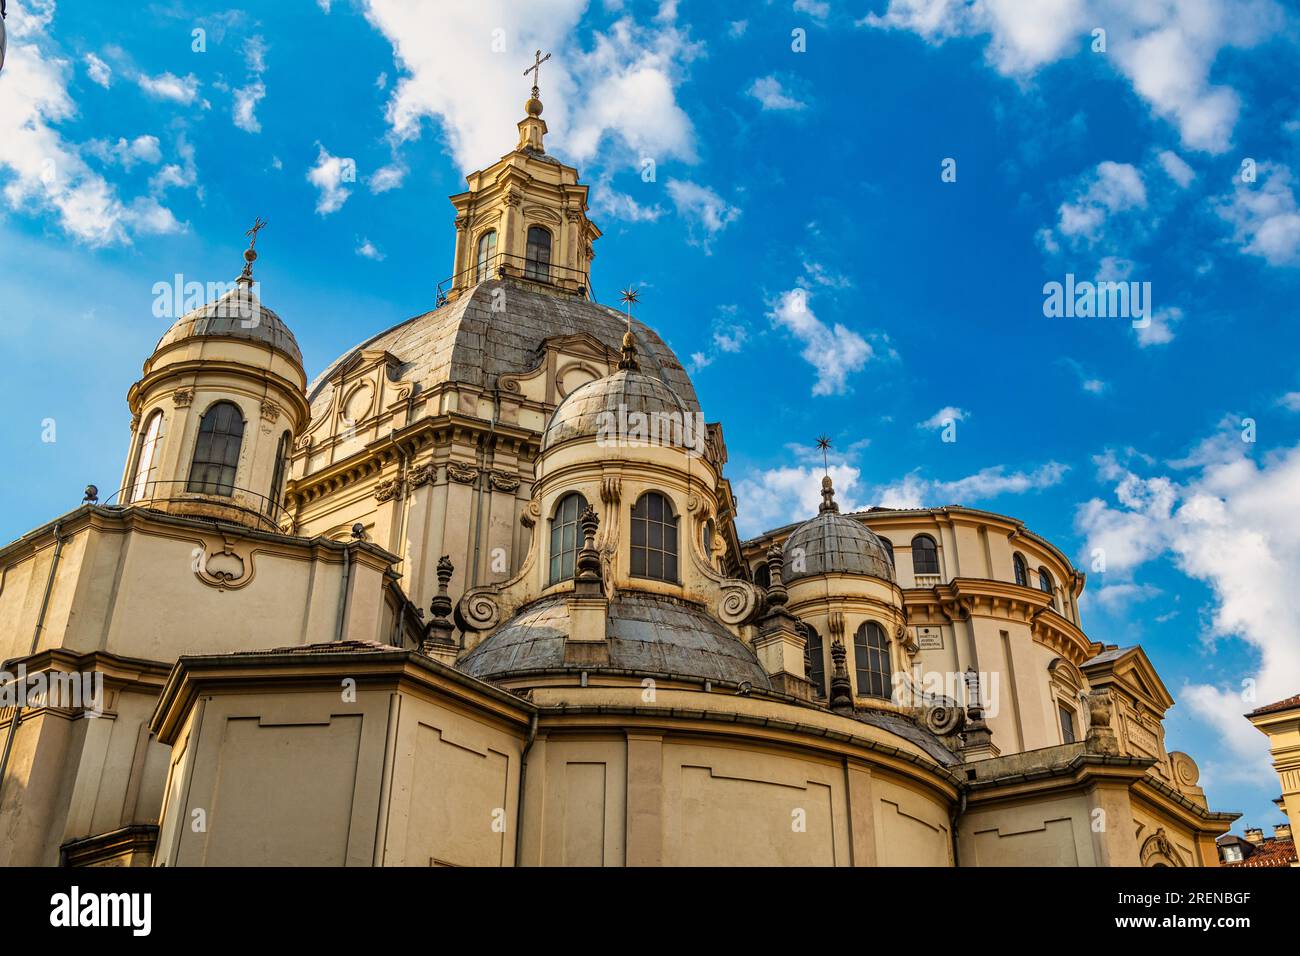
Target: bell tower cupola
{"type": "Point", "coordinates": [525, 217]}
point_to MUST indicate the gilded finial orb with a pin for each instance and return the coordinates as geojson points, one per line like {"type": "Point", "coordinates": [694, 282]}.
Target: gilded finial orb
{"type": "Point", "coordinates": [533, 107]}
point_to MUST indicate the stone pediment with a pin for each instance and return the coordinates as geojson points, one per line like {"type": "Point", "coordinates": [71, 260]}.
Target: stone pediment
{"type": "Point", "coordinates": [566, 362]}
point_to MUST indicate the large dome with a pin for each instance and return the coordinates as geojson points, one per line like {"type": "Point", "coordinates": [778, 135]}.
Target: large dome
{"type": "Point", "coordinates": [238, 314]}
{"type": "Point", "coordinates": [613, 400]}
{"type": "Point", "coordinates": [649, 634]}
{"type": "Point", "coordinates": [833, 544]}
{"type": "Point", "coordinates": [497, 328]}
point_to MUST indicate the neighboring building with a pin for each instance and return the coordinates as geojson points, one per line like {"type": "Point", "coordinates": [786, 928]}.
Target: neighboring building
{"type": "Point", "coordinates": [605, 673]}
{"type": "Point", "coordinates": [1281, 723]}
{"type": "Point", "coordinates": [1258, 850]}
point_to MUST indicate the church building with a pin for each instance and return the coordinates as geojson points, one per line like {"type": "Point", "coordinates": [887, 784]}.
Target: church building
{"type": "Point", "coordinates": [474, 596]}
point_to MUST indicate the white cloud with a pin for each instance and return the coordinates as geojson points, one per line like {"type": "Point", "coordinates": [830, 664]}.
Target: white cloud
{"type": "Point", "coordinates": [817, 9]}
{"type": "Point", "coordinates": [387, 177]}
{"type": "Point", "coordinates": [915, 491]}
{"type": "Point", "coordinates": [1231, 524]}
{"type": "Point", "coordinates": [368, 250]}
{"type": "Point", "coordinates": [1165, 49]}
{"type": "Point", "coordinates": [1160, 330]}
{"type": "Point", "coordinates": [941, 418]}
{"type": "Point", "coordinates": [1290, 401]}
{"type": "Point", "coordinates": [1117, 597]}
{"type": "Point", "coordinates": [142, 149]}
{"type": "Point", "coordinates": [1176, 168]}
{"type": "Point", "coordinates": [1111, 188]}
{"type": "Point", "coordinates": [835, 351]}
{"type": "Point", "coordinates": [621, 92]}
{"type": "Point", "coordinates": [773, 96]}
{"type": "Point", "coordinates": [169, 86]}
{"type": "Point", "coordinates": [244, 111]}
{"type": "Point", "coordinates": [703, 210]}
{"type": "Point", "coordinates": [736, 28]}
{"type": "Point", "coordinates": [46, 171]}
{"type": "Point", "coordinates": [778, 496]}
{"type": "Point", "coordinates": [1264, 215]}
{"type": "Point", "coordinates": [98, 71]}
{"type": "Point", "coordinates": [328, 175]}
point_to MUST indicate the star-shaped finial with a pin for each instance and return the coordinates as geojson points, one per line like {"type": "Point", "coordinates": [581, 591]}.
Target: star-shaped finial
{"type": "Point", "coordinates": [630, 296]}
{"type": "Point", "coordinates": [824, 446]}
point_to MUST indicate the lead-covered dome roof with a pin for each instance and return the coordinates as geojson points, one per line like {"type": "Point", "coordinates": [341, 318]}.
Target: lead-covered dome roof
{"type": "Point", "coordinates": [647, 634]}
{"type": "Point", "coordinates": [834, 544]}
{"type": "Point", "coordinates": [239, 314]}
{"type": "Point", "coordinates": [610, 403]}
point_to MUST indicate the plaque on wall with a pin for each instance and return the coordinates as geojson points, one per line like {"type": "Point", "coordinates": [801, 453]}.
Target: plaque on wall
{"type": "Point", "coordinates": [929, 638]}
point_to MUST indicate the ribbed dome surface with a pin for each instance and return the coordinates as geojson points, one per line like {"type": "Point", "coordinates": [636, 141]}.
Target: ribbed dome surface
{"type": "Point", "coordinates": [831, 543]}
{"type": "Point", "coordinates": [611, 402]}
{"type": "Point", "coordinates": [648, 634]}
{"type": "Point", "coordinates": [238, 314]}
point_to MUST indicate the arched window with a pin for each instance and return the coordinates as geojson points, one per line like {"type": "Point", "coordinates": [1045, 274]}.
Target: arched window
{"type": "Point", "coordinates": [816, 662]}
{"type": "Point", "coordinates": [889, 548]}
{"type": "Point", "coordinates": [566, 537]}
{"type": "Point", "coordinates": [871, 660]}
{"type": "Point", "coordinates": [1045, 584]}
{"type": "Point", "coordinates": [925, 555]}
{"type": "Point", "coordinates": [763, 575]}
{"type": "Point", "coordinates": [146, 459]}
{"type": "Point", "coordinates": [216, 454]}
{"type": "Point", "coordinates": [654, 538]}
{"type": "Point", "coordinates": [537, 264]}
{"type": "Point", "coordinates": [1022, 572]}
{"type": "Point", "coordinates": [281, 472]}
{"type": "Point", "coordinates": [706, 538]}
{"type": "Point", "coordinates": [487, 249]}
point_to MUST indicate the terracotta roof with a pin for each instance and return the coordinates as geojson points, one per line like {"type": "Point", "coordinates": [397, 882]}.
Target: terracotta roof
{"type": "Point", "coordinates": [1279, 706]}
{"type": "Point", "coordinates": [1271, 852]}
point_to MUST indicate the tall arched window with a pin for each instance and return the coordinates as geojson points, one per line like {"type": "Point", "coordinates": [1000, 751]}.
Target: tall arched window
{"type": "Point", "coordinates": [763, 576]}
{"type": "Point", "coordinates": [889, 548]}
{"type": "Point", "coordinates": [1022, 572]}
{"type": "Point", "coordinates": [566, 537]}
{"type": "Point", "coordinates": [654, 538]}
{"type": "Point", "coordinates": [537, 264]}
{"type": "Point", "coordinates": [280, 473]}
{"type": "Point", "coordinates": [871, 660]}
{"type": "Point", "coordinates": [816, 662]}
{"type": "Point", "coordinates": [487, 249]}
{"type": "Point", "coordinates": [216, 454]}
{"type": "Point", "coordinates": [146, 459]}
{"type": "Point", "coordinates": [925, 555]}
{"type": "Point", "coordinates": [1045, 584]}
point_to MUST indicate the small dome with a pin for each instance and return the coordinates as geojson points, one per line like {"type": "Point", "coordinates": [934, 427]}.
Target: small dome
{"type": "Point", "coordinates": [608, 404]}
{"type": "Point", "coordinates": [238, 314]}
{"type": "Point", "coordinates": [648, 634]}
{"type": "Point", "coordinates": [833, 544]}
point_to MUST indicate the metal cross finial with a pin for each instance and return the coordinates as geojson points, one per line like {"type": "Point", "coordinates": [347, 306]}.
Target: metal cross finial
{"type": "Point", "coordinates": [536, 69]}
{"type": "Point", "coordinates": [258, 225]}
{"type": "Point", "coordinates": [824, 445]}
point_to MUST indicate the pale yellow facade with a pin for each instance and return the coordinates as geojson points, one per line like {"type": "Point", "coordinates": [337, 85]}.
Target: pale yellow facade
{"type": "Point", "coordinates": [366, 622]}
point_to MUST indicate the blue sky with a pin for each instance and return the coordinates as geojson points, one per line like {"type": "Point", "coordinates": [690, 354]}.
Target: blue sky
{"type": "Point", "coordinates": [797, 245]}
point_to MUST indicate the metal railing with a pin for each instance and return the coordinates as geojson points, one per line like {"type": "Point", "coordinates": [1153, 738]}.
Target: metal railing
{"type": "Point", "coordinates": [503, 265]}
{"type": "Point", "coordinates": [243, 500]}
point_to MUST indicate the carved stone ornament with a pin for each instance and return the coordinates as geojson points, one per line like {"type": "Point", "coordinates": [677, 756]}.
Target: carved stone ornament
{"type": "Point", "coordinates": [423, 475]}
{"type": "Point", "coordinates": [270, 412]}
{"type": "Point", "coordinates": [531, 513]}
{"type": "Point", "coordinates": [465, 474]}
{"type": "Point", "coordinates": [611, 490]}
{"type": "Point", "coordinates": [303, 443]}
{"type": "Point", "coordinates": [135, 423]}
{"type": "Point", "coordinates": [183, 397]}
{"type": "Point", "coordinates": [943, 716]}
{"type": "Point", "coordinates": [478, 611]}
{"type": "Point", "coordinates": [500, 481]}
{"type": "Point", "coordinates": [388, 490]}
{"type": "Point", "coordinates": [741, 602]}
{"type": "Point", "coordinates": [225, 570]}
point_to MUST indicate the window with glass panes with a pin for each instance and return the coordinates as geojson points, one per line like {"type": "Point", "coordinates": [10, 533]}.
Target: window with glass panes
{"type": "Point", "coordinates": [871, 660]}
{"type": "Point", "coordinates": [654, 538]}
{"type": "Point", "coordinates": [566, 536]}
{"type": "Point", "coordinates": [216, 454]}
